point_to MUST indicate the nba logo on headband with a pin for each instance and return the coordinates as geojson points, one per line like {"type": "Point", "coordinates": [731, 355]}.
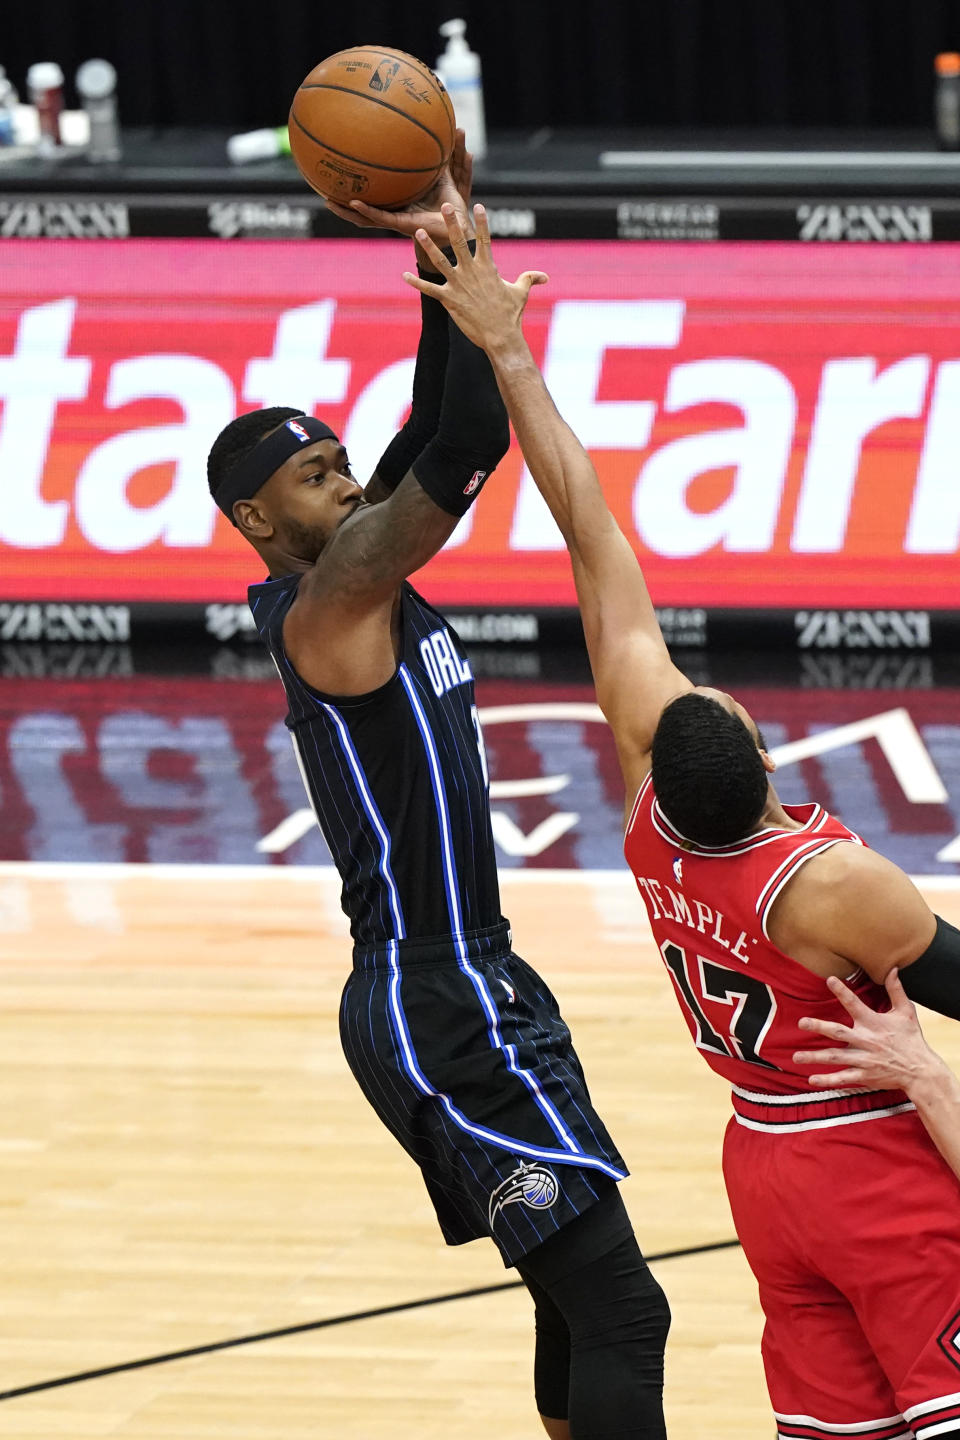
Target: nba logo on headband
{"type": "Point", "coordinates": [298, 430]}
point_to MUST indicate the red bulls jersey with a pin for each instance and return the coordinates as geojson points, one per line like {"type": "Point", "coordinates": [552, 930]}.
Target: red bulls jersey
{"type": "Point", "coordinates": [708, 909]}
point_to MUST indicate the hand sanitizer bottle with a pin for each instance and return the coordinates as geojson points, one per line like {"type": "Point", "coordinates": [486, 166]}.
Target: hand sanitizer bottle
{"type": "Point", "coordinates": [459, 69]}
{"type": "Point", "coordinates": [96, 82]}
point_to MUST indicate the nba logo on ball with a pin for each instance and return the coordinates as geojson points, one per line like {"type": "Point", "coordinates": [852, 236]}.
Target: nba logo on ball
{"type": "Point", "coordinates": [298, 430]}
{"type": "Point", "coordinates": [475, 481]}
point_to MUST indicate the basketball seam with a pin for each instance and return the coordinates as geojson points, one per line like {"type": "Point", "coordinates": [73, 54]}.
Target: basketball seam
{"type": "Point", "coordinates": [372, 99]}
{"type": "Point", "coordinates": [369, 164]}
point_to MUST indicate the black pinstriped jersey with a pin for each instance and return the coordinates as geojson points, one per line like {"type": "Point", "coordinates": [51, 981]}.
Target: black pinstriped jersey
{"type": "Point", "coordinates": [397, 779]}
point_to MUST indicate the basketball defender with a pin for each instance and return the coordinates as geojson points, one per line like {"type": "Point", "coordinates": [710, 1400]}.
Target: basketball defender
{"type": "Point", "coordinates": [457, 1044]}
{"type": "Point", "coordinates": [848, 1215]}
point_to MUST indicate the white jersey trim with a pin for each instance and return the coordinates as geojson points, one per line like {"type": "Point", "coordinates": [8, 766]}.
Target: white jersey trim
{"type": "Point", "coordinates": [795, 862]}
{"type": "Point", "coordinates": [785, 865]}
{"type": "Point", "coordinates": [926, 1406]}
{"type": "Point", "coordinates": [636, 804]}
{"type": "Point", "coordinates": [804, 1097]}
{"type": "Point", "coordinates": [926, 1432]}
{"type": "Point", "coordinates": [826, 1123]}
{"type": "Point", "coordinates": [858, 1427]}
{"type": "Point", "coordinates": [766, 836]}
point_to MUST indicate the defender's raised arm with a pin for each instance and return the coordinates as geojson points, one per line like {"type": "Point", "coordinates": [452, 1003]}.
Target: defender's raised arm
{"type": "Point", "coordinates": [634, 674]}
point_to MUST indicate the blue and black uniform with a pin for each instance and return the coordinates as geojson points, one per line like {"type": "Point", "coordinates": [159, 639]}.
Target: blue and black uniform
{"type": "Point", "coordinates": [455, 1041]}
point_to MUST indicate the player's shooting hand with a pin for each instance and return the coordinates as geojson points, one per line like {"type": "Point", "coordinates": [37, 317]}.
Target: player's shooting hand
{"type": "Point", "coordinates": [486, 308]}
{"type": "Point", "coordinates": [879, 1051]}
{"type": "Point", "coordinates": [452, 187]}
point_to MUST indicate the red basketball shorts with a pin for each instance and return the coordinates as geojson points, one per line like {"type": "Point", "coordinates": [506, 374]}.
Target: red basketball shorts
{"type": "Point", "coordinates": [851, 1224]}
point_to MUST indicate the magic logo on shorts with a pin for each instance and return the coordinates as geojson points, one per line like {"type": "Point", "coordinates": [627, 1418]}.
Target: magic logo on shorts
{"type": "Point", "coordinates": [532, 1185]}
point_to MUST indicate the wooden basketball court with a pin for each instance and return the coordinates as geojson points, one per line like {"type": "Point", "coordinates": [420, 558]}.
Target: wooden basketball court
{"type": "Point", "coordinates": [186, 1161]}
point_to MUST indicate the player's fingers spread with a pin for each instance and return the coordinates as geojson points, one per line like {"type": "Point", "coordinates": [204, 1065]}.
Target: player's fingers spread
{"type": "Point", "coordinates": [426, 287]}
{"type": "Point", "coordinates": [850, 1002]}
{"type": "Point", "coordinates": [482, 228]}
{"type": "Point", "coordinates": [433, 252]}
{"type": "Point", "coordinates": [343, 212]}
{"type": "Point", "coordinates": [836, 1080]}
{"type": "Point", "coordinates": [828, 1057]}
{"type": "Point", "coordinates": [898, 996]}
{"type": "Point", "coordinates": [454, 229]}
{"type": "Point", "coordinates": [832, 1029]}
{"type": "Point", "coordinates": [525, 282]}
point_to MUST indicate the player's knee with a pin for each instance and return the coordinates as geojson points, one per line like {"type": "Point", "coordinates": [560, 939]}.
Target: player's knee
{"type": "Point", "coordinates": [551, 1372]}
{"type": "Point", "coordinates": [621, 1304]}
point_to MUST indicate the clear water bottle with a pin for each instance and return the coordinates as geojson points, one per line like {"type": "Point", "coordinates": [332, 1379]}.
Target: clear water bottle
{"type": "Point", "coordinates": [946, 100]}
{"type": "Point", "coordinates": [8, 108]}
{"type": "Point", "coordinates": [459, 70]}
{"type": "Point", "coordinates": [45, 89]}
{"type": "Point", "coordinates": [97, 88]}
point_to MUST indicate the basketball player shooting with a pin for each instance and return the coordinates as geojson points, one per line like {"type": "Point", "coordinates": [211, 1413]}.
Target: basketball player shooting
{"type": "Point", "coordinates": [458, 1045]}
{"type": "Point", "coordinates": [848, 1215]}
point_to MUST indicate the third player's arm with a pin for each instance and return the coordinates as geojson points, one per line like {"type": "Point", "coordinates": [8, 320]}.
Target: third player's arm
{"type": "Point", "coordinates": [885, 1052]}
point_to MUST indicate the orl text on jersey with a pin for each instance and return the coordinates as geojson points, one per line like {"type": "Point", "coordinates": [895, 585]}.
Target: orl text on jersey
{"type": "Point", "coordinates": [442, 663]}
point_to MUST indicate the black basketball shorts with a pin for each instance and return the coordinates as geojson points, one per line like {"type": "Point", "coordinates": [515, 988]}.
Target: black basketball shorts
{"type": "Point", "coordinates": [460, 1048]}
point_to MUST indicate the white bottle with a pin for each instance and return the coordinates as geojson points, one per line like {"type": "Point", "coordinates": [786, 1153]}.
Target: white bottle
{"type": "Point", "coordinates": [459, 69]}
{"type": "Point", "coordinates": [97, 86]}
{"type": "Point", "coordinates": [8, 110]}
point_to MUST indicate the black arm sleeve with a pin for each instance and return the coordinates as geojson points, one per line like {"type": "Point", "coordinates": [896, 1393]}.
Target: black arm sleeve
{"type": "Point", "coordinates": [473, 435]}
{"type": "Point", "coordinates": [934, 977]}
{"type": "Point", "coordinates": [428, 382]}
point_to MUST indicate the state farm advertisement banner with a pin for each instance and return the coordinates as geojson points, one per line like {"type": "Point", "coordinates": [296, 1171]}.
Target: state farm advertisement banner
{"type": "Point", "coordinates": [774, 425]}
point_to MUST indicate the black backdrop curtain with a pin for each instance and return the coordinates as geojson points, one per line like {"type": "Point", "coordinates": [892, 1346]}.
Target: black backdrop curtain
{"type": "Point", "coordinates": [236, 63]}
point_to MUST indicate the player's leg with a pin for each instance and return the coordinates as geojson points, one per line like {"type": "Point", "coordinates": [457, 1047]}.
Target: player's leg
{"type": "Point", "coordinates": [551, 1363]}
{"type": "Point", "coordinates": [822, 1375]}
{"type": "Point", "coordinates": [902, 1272]}
{"type": "Point", "coordinates": [617, 1318]}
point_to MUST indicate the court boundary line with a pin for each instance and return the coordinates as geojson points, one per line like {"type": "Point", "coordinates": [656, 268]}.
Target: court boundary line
{"type": "Point", "coordinates": [124, 869]}
{"type": "Point", "coordinates": [214, 1346]}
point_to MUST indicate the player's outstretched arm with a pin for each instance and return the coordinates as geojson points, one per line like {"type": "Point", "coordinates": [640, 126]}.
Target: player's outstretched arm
{"type": "Point", "coordinates": [632, 669]}
{"type": "Point", "coordinates": [338, 630]}
{"type": "Point", "coordinates": [453, 187]}
{"type": "Point", "coordinates": [888, 1051]}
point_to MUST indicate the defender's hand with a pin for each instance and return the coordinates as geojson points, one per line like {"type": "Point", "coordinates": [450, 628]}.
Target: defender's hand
{"type": "Point", "coordinates": [880, 1051]}
{"type": "Point", "coordinates": [486, 308]}
{"type": "Point", "coordinates": [452, 187]}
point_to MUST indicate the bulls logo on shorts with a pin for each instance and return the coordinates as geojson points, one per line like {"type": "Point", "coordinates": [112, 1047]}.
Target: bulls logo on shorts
{"type": "Point", "coordinates": [532, 1185]}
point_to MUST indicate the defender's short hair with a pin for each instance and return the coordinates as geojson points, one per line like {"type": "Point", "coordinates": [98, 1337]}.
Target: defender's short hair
{"type": "Point", "coordinates": [708, 776]}
{"type": "Point", "coordinates": [240, 437]}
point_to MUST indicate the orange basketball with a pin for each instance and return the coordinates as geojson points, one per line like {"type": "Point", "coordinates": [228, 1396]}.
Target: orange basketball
{"type": "Point", "coordinates": [371, 124]}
